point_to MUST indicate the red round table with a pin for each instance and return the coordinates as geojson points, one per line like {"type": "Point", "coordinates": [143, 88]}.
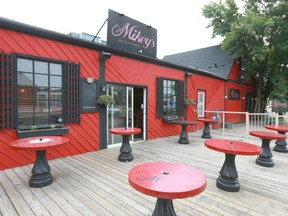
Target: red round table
{"type": "Point", "coordinates": [206, 131]}
{"type": "Point", "coordinates": [125, 150]}
{"type": "Point", "coordinates": [167, 181]}
{"type": "Point", "coordinates": [41, 175]}
{"type": "Point", "coordinates": [281, 145]}
{"type": "Point", "coordinates": [228, 179]}
{"type": "Point", "coordinates": [183, 136]}
{"type": "Point", "coordinates": [265, 159]}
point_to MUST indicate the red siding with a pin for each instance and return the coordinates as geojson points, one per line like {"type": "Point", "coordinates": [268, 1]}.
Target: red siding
{"type": "Point", "coordinates": [83, 137]}
{"type": "Point", "coordinates": [125, 70]}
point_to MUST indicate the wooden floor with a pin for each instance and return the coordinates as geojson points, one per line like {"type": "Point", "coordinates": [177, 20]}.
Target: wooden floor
{"type": "Point", "coordinates": [96, 184]}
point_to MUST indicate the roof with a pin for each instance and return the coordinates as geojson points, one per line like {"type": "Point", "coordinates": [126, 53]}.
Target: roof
{"type": "Point", "coordinates": [32, 30]}
{"type": "Point", "coordinates": [212, 60]}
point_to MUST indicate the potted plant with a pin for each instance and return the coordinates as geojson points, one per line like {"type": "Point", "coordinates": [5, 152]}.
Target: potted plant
{"type": "Point", "coordinates": [189, 101]}
{"type": "Point", "coordinates": [105, 100]}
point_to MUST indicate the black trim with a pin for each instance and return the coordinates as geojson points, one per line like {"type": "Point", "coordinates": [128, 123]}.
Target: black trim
{"type": "Point", "coordinates": [43, 132]}
{"type": "Point", "coordinates": [6, 91]}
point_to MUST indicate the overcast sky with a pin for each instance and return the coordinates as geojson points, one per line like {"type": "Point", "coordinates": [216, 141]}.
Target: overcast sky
{"type": "Point", "coordinates": [180, 24]}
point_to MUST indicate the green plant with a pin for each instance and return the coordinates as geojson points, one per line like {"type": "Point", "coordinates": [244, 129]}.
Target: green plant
{"type": "Point", "coordinates": [105, 100]}
{"type": "Point", "coordinates": [189, 101]}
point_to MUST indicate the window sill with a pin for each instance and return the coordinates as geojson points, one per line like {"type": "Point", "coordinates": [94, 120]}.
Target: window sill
{"type": "Point", "coordinates": [171, 118]}
{"type": "Point", "coordinates": [43, 132]}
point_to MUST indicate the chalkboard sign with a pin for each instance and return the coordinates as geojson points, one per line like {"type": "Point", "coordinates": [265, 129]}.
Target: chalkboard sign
{"type": "Point", "coordinates": [89, 95]}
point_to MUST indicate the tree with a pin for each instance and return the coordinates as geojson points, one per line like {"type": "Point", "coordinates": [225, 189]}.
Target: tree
{"type": "Point", "coordinates": [259, 35]}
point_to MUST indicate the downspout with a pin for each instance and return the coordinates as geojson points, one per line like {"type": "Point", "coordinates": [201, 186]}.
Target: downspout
{"type": "Point", "coordinates": [102, 109]}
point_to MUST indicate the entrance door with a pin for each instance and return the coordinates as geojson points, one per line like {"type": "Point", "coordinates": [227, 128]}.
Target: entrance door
{"type": "Point", "coordinates": [128, 110]}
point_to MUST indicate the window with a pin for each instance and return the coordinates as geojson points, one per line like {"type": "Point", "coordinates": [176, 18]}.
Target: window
{"type": "Point", "coordinates": [39, 92]}
{"type": "Point", "coordinates": [170, 97]}
{"type": "Point", "coordinates": [201, 103]}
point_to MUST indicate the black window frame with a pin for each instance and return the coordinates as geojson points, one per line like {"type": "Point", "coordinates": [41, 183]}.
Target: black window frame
{"type": "Point", "coordinates": [179, 101]}
{"type": "Point", "coordinates": [46, 60]}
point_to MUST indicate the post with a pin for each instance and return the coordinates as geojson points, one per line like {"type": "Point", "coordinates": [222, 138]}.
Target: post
{"type": "Point", "coordinates": [247, 125]}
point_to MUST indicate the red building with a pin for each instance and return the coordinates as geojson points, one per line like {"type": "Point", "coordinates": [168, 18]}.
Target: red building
{"type": "Point", "coordinates": [50, 83]}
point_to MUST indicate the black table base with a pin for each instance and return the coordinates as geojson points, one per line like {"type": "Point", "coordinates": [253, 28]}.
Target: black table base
{"type": "Point", "coordinates": [164, 207]}
{"type": "Point", "coordinates": [125, 150]}
{"type": "Point", "coordinates": [183, 136]}
{"type": "Point", "coordinates": [206, 132]}
{"type": "Point", "coordinates": [265, 159]}
{"type": "Point", "coordinates": [41, 175]}
{"type": "Point", "coordinates": [228, 175]}
{"type": "Point", "coordinates": [281, 145]}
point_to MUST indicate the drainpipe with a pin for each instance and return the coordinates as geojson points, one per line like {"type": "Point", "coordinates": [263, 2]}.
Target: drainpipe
{"type": "Point", "coordinates": [102, 109]}
{"type": "Point", "coordinates": [187, 74]}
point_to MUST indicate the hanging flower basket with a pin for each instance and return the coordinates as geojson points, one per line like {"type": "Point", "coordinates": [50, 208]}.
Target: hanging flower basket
{"type": "Point", "coordinates": [105, 100]}
{"type": "Point", "coordinates": [189, 101]}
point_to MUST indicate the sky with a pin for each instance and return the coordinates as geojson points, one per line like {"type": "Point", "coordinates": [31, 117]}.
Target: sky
{"type": "Point", "coordinates": [180, 24]}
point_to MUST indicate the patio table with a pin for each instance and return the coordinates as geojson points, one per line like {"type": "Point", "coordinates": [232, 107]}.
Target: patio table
{"type": "Point", "coordinates": [183, 136]}
{"type": "Point", "coordinates": [206, 132]}
{"type": "Point", "coordinates": [281, 145]}
{"type": "Point", "coordinates": [228, 179]}
{"type": "Point", "coordinates": [265, 159]}
{"type": "Point", "coordinates": [167, 181]}
{"type": "Point", "coordinates": [125, 149]}
{"type": "Point", "coordinates": [41, 175]}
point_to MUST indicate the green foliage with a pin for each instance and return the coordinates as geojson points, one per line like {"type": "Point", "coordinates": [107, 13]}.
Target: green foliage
{"type": "Point", "coordinates": [105, 100]}
{"type": "Point", "coordinates": [257, 33]}
{"type": "Point", "coordinates": [189, 101]}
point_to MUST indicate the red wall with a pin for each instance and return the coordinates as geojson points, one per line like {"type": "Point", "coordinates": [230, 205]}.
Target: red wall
{"type": "Point", "coordinates": [83, 137]}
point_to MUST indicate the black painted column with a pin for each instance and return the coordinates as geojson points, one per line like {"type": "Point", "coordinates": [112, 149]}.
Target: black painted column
{"type": "Point", "coordinates": [228, 175]}
{"type": "Point", "coordinates": [164, 207]}
{"type": "Point", "coordinates": [41, 175]}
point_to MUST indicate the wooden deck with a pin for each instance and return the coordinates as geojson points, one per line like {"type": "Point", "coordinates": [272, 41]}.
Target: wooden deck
{"type": "Point", "coordinates": [96, 184]}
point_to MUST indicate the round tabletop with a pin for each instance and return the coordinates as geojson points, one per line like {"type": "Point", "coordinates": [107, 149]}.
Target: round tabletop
{"type": "Point", "coordinates": [38, 143]}
{"type": "Point", "coordinates": [267, 135]}
{"type": "Point", "coordinates": [207, 120]}
{"type": "Point", "coordinates": [185, 123]}
{"type": "Point", "coordinates": [125, 131]}
{"type": "Point", "coordinates": [167, 180]}
{"type": "Point", "coordinates": [233, 147]}
{"type": "Point", "coordinates": [281, 128]}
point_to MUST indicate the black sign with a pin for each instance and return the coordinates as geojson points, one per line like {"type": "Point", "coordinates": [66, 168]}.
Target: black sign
{"type": "Point", "coordinates": [242, 77]}
{"type": "Point", "coordinates": [234, 94]}
{"type": "Point", "coordinates": [130, 35]}
{"type": "Point", "coordinates": [89, 95]}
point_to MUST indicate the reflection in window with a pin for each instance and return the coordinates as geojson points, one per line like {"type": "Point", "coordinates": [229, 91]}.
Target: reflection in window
{"type": "Point", "coordinates": [201, 104]}
{"type": "Point", "coordinates": [39, 86]}
{"type": "Point", "coordinates": [169, 97]}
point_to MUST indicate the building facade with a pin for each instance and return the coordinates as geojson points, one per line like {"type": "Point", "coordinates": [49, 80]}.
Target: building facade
{"type": "Point", "coordinates": [50, 84]}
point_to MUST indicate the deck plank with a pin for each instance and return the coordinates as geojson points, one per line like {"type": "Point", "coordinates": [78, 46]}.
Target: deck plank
{"type": "Point", "coordinates": [96, 183]}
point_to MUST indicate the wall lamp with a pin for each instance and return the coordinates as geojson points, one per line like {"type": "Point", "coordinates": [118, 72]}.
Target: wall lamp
{"type": "Point", "coordinates": [106, 55]}
{"type": "Point", "coordinates": [103, 88]}
{"type": "Point", "coordinates": [188, 74]}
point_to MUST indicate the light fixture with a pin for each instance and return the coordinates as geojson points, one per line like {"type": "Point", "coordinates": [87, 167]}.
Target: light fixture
{"type": "Point", "coordinates": [106, 55]}
{"type": "Point", "coordinates": [103, 88]}
{"type": "Point", "coordinates": [188, 74]}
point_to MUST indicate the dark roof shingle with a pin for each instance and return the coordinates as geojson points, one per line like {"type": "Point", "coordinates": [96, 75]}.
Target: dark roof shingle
{"type": "Point", "coordinates": [210, 59]}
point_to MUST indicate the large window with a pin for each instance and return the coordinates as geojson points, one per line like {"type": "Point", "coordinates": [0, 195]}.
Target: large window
{"type": "Point", "coordinates": [39, 92]}
{"type": "Point", "coordinates": [170, 97]}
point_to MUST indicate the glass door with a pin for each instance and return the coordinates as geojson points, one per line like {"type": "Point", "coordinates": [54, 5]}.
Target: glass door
{"type": "Point", "coordinates": [122, 112]}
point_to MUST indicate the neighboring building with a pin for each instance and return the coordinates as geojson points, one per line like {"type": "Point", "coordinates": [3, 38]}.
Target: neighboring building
{"type": "Point", "coordinates": [238, 89]}
{"type": "Point", "coordinates": [50, 82]}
